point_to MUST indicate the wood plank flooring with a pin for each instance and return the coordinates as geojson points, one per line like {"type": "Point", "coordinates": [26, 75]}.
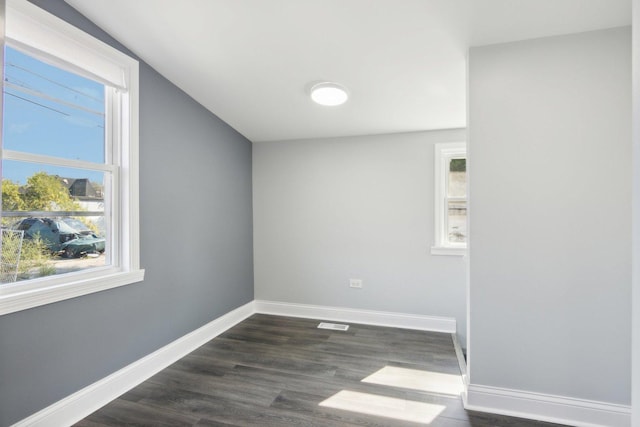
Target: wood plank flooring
{"type": "Point", "coordinates": [280, 371]}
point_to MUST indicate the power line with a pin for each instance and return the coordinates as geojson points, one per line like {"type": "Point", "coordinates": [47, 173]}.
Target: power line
{"type": "Point", "coordinates": [10, 64]}
{"type": "Point", "coordinates": [44, 106]}
{"type": "Point", "coordinates": [39, 94]}
{"type": "Point", "coordinates": [15, 80]}
{"type": "Point", "coordinates": [38, 104]}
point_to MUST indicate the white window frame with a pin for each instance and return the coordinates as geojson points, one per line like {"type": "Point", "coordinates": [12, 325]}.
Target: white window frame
{"type": "Point", "coordinates": [443, 154]}
{"type": "Point", "coordinates": [34, 30]}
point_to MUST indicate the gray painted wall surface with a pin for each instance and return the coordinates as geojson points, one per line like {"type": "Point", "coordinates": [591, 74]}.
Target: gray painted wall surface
{"type": "Point", "coordinates": [550, 187]}
{"type": "Point", "coordinates": [198, 260]}
{"type": "Point", "coordinates": [328, 210]}
{"type": "Point", "coordinates": [635, 220]}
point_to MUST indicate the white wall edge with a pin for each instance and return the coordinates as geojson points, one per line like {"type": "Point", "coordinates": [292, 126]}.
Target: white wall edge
{"type": "Point", "coordinates": [543, 407]}
{"type": "Point", "coordinates": [462, 362]}
{"type": "Point", "coordinates": [79, 405]}
{"type": "Point", "coordinates": [366, 317]}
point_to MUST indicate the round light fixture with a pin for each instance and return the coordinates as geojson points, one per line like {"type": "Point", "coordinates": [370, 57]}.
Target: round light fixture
{"type": "Point", "coordinates": [329, 94]}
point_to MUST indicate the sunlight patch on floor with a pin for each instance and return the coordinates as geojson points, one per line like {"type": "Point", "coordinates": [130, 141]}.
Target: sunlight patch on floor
{"type": "Point", "coordinates": [414, 379]}
{"type": "Point", "coordinates": [389, 407]}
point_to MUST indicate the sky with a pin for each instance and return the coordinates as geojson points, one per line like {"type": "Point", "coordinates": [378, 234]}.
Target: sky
{"type": "Point", "coordinates": [50, 111]}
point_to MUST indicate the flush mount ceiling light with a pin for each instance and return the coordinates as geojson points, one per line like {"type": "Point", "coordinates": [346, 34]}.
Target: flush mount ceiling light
{"type": "Point", "coordinates": [329, 94]}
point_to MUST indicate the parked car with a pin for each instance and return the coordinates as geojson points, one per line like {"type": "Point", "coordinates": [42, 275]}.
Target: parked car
{"type": "Point", "coordinates": [79, 226]}
{"type": "Point", "coordinates": [60, 237]}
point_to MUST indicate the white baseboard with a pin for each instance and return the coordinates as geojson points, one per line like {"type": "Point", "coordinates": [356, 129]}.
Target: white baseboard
{"type": "Point", "coordinates": [479, 398]}
{"type": "Point", "coordinates": [367, 317]}
{"type": "Point", "coordinates": [79, 405]}
{"type": "Point", "coordinates": [555, 409]}
{"type": "Point", "coordinates": [82, 403]}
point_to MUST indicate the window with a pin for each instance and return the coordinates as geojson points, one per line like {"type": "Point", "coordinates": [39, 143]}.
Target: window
{"type": "Point", "coordinates": [450, 199]}
{"type": "Point", "coordinates": [69, 163]}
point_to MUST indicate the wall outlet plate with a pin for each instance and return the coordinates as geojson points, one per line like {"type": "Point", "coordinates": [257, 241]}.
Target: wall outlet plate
{"type": "Point", "coordinates": [355, 283]}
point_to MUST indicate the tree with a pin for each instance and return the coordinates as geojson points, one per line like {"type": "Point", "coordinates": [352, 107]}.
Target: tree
{"type": "Point", "coordinates": [45, 192]}
{"type": "Point", "coordinates": [458, 165]}
{"type": "Point", "coordinates": [11, 197]}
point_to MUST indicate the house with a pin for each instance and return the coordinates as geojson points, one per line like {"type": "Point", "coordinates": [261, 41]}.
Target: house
{"type": "Point", "coordinates": [543, 299]}
{"type": "Point", "coordinates": [81, 189]}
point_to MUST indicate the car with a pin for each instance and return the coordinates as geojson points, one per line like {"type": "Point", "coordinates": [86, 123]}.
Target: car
{"type": "Point", "coordinates": [60, 237]}
{"type": "Point", "coordinates": [79, 226]}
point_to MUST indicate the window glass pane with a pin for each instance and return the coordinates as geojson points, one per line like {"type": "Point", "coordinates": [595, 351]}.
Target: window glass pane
{"type": "Point", "coordinates": [32, 187]}
{"type": "Point", "coordinates": [53, 220]}
{"type": "Point", "coordinates": [457, 178]}
{"type": "Point", "coordinates": [51, 111]}
{"type": "Point", "coordinates": [457, 221]}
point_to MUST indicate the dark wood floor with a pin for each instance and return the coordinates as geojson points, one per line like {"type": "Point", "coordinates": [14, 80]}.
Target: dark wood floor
{"type": "Point", "coordinates": [279, 371]}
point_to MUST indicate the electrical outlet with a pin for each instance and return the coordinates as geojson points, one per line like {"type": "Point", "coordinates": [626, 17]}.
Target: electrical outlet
{"type": "Point", "coordinates": [355, 283]}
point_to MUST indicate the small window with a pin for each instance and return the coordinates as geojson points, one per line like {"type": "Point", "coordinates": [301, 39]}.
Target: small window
{"type": "Point", "coordinates": [450, 199]}
{"type": "Point", "coordinates": [69, 163]}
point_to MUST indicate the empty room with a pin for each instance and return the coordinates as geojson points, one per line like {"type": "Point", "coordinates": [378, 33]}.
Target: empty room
{"type": "Point", "coordinates": [320, 213]}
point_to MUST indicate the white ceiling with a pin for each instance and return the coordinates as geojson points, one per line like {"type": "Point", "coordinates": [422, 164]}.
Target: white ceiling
{"type": "Point", "coordinates": [251, 62]}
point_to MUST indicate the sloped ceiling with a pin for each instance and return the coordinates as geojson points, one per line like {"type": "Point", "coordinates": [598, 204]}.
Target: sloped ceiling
{"type": "Point", "coordinates": [251, 62]}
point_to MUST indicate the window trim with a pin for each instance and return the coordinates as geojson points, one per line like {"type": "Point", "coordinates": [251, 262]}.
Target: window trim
{"type": "Point", "coordinates": [125, 267]}
{"type": "Point", "coordinates": [443, 152]}
{"type": "Point", "coordinates": [33, 29]}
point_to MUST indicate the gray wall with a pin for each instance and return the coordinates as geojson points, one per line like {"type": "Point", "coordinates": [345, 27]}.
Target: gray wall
{"type": "Point", "coordinates": [328, 210]}
{"type": "Point", "coordinates": [635, 221]}
{"type": "Point", "coordinates": [550, 188]}
{"type": "Point", "coordinates": [196, 247]}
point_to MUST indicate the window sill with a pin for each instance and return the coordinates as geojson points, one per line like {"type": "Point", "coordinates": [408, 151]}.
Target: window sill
{"type": "Point", "coordinates": [448, 251]}
{"type": "Point", "coordinates": [17, 297]}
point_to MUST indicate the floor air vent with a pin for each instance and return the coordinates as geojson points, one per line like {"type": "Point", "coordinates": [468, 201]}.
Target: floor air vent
{"type": "Point", "coordinates": [333, 326]}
